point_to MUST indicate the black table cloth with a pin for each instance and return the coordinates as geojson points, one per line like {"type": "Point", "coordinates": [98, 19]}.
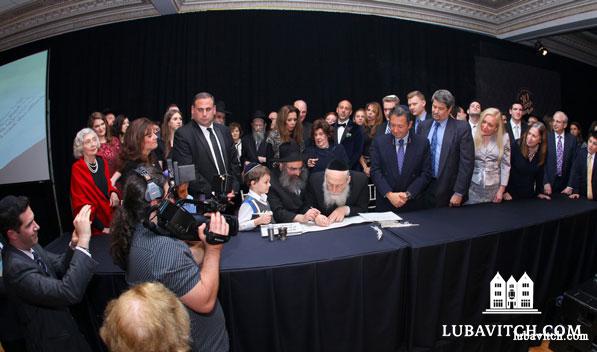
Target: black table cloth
{"type": "Point", "coordinates": [336, 290]}
{"type": "Point", "coordinates": [456, 252]}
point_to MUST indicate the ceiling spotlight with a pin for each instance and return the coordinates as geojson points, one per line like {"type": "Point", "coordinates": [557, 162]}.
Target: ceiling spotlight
{"type": "Point", "coordinates": [540, 48]}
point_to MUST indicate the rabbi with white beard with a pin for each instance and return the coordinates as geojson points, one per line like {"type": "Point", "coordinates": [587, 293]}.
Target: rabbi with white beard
{"type": "Point", "coordinates": [337, 192]}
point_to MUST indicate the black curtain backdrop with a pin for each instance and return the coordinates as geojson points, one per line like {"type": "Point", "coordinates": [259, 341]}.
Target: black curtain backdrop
{"type": "Point", "coordinates": [263, 60]}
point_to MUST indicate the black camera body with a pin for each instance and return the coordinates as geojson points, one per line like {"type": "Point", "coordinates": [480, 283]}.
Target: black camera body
{"type": "Point", "coordinates": [174, 220]}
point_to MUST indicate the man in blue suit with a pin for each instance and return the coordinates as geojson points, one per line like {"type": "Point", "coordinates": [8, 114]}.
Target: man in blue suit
{"type": "Point", "coordinates": [561, 153]}
{"type": "Point", "coordinates": [400, 164]}
{"type": "Point", "coordinates": [583, 179]}
{"type": "Point", "coordinates": [349, 134]}
{"type": "Point", "coordinates": [452, 153]}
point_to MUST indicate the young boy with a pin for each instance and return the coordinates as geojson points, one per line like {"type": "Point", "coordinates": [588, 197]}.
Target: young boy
{"type": "Point", "coordinates": [255, 209]}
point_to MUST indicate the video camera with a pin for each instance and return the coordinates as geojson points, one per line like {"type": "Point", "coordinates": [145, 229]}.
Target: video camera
{"type": "Point", "coordinates": [176, 221]}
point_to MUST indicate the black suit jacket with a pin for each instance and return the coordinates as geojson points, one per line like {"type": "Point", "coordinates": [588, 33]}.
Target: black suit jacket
{"type": "Point", "coordinates": [523, 128]}
{"type": "Point", "coordinates": [358, 198]}
{"type": "Point", "coordinates": [416, 169]}
{"type": "Point", "coordinates": [381, 129]}
{"type": "Point", "coordinates": [526, 177]}
{"type": "Point", "coordinates": [570, 151]}
{"type": "Point", "coordinates": [191, 147]}
{"type": "Point", "coordinates": [457, 160]}
{"type": "Point", "coordinates": [250, 150]}
{"type": "Point", "coordinates": [285, 205]}
{"type": "Point", "coordinates": [43, 299]}
{"type": "Point", "coordinates": [352, 141]}
{"type": "Point", "coordinates": [578, 176]}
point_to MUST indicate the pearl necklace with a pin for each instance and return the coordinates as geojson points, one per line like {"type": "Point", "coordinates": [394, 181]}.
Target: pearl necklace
{"type": "Point", "coordinates": [92, 167]}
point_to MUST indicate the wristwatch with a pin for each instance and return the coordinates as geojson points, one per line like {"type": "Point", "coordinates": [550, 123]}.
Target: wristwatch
{"type": "Point", "coordinates": [408, 195]}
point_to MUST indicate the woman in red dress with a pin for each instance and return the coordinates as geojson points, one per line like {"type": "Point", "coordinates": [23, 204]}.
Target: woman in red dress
{"type": "Point", "coordinates": [90, 182]}
{"type": "Point", "coordinates": [109, 146]}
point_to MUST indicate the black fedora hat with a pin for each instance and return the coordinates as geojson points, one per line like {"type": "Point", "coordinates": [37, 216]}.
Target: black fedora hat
{"type": "Point", "coordinates": [289, 152]}
{"type": "Point", "coordinates": [221, 107]}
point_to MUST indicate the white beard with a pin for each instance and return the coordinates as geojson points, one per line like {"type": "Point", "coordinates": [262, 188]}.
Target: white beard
{"type": "Point", "coordinates": [259, 137]}
{"type": "Point", "coordinates": [335, 199]}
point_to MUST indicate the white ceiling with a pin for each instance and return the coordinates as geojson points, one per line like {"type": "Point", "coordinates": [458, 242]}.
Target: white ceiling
{"type": "Point", "coordinates": [560, 24]}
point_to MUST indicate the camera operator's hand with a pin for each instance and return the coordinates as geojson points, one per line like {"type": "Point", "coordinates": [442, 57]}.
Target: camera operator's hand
{"type": "Point", "coordinates": [217, 225]}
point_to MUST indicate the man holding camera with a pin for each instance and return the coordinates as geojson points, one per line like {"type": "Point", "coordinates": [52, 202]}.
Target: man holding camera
{"type": "Point", "coordinates": [209, 147]}
{"type": "Point", "coordinates": [148, 253]}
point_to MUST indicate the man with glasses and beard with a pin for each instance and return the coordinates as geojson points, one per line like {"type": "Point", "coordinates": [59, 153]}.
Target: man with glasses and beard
{"type": "Point", "coordinates": [253, 144]}
{"type": "Point", "coordinates": [288, 185]}
{"type": "Point", "coordinates": [337, 193]}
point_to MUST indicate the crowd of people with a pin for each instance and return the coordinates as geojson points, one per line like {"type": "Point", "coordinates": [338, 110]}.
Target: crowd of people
{"type": "Point", "coordinates": [295, 170]}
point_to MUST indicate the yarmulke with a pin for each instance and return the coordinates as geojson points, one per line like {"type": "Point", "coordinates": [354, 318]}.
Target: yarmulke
{"type": "Point", "coordinates": [249, 167]}
{"type": "Point", "coordinates": [338, 165]}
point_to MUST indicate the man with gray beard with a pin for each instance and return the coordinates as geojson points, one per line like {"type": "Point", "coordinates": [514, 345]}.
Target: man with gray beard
{"type": "Point", "coordinates": [286, 195]}
{"type": "Point", "coordinates": [337, 192]}
{"type": "Point", "coordinates": [253, 144]}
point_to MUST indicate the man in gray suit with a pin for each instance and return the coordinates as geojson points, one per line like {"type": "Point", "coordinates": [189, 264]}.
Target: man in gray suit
{"type": "Point", "coordinates": [42, 285]}
{"type": "Point", "coordinates": [452, 154]}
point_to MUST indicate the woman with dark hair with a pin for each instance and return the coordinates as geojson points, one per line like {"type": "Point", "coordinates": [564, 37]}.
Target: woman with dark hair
{"type": "Point", "coordinates": [121, 124]}
{"type": "Point", "coordinates": [90, 182]}
{"type": "Point", "coordinates": [140, 141]}
{"type": "Point", "coordinates": [287, 128]}
{"type": "Point", "coordinates": [374, 118]}
{"type": "Point", "coordinates": [109, 147]}
{"type": "Point", "coordinates": [528, 161]}
{"type": "Point", "coordinates": [319, 155]}
{"type": "Point", "coordinates": [189, 270]}
{"type": "Point", "coordinates": [171, 122]}
{"type": "Point", "coordinates": [576, 131]}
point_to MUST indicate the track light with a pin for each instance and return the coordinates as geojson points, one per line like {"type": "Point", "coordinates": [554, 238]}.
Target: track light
{"type": "Point", "coordinates": [540, 48]}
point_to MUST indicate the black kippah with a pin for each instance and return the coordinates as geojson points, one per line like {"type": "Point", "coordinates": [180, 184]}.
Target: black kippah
{"type": "Point", "coordinates": [249, 167]}
{"type": "Point", "coordinates": [338, 165]}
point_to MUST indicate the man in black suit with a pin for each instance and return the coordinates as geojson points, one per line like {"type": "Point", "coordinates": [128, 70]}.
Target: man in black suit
{"type": "Point", "coordinates": [209, 147]}
{"type": "Point", "coordinates": [253, 144]}
{"type": "Point", "coordinates": [337, 192]}
{"type": "Point", "coordinates": [400, 164]}
{"type": "Point", "coordinates": [41, 284]}
{"type": "Point", "coordinates": [349, 134]}
{"type": "Point", "coordinates": [416, 105]}
{"type": "Point", "coordinates": [583, 179]}
{"type": "Point", "coordinates": [561, 153]}
{"type": "Point", "coordinates": [389, 103]}
{"type": "Point", "coordinates": [515, 127]}
{"type": "Point", "coordinates": [301, 105]}
{"type": "Point", "coordinates": [452, 154]}
{"type": "Point", "coordinates": [286, 195]}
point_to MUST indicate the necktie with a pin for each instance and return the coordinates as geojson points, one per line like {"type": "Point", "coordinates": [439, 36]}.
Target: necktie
{"type": "Point", "coordinates": [417, 125]}
{"type": "Point", "coordinates": [217, 152]}
{"type": "Point", "coordinates": [340, 129]}
{"type": "Point", "coordinates": [40, 262]}
{"type": "Point", "coordinates": [400, 154]}
{"type": "Point", "coordinates": [516, 132]}
{"type": "Point", "coordinates": [433, 147]}
{"type": "Point", "coordinates": [559, 156]}
{"type": "Point", "coordinates": [590, 177]}
{"type": "Point", "coordinates": [387, 128]}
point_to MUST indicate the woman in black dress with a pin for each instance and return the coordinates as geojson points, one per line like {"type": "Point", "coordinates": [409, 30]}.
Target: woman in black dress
{"type": "Point", "coordinates": [527, 162]}
{"type": "Point", "coordinates": [319, 155]}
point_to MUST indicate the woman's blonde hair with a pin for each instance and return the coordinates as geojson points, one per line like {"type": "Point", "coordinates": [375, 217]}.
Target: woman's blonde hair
{"type": "Point", "coordinates": [148, 317]}
{"type": "Point", "coordinates": [493, 112]}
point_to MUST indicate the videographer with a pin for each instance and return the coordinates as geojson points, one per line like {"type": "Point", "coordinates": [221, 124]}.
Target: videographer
{"type": "Point", "coordinates": [190, 270]}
